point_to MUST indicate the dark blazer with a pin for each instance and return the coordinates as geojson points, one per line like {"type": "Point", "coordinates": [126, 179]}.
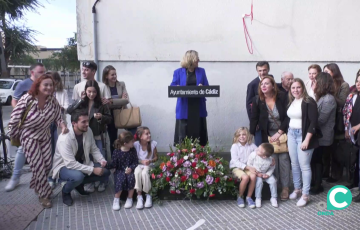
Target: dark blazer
{"type": "Point", "coordinates": [281, 88]}
{"type": "Point", "coordinates": [252, 91]}
{"type": "Point", "coordinates": [310, 122]}
{"type": "Point", "coordinates": [259, 115]}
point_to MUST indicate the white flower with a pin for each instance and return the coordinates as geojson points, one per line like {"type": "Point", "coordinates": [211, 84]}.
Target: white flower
{"type": "Point", "coordinates": [186, 157]}
{"type": "Point", "coordinates": [211, 170]}
{"type": "Point", "coordinates": [176, 175]}
{"type": "Point", "coordinates": [196, 167]}
{"type": "Point", "coordinates": [189, 183]}
{"type": "Point", "coordinates": [221, 174]}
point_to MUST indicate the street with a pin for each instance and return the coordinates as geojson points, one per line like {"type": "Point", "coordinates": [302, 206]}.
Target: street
{"type": "Point", "coordinates": [6, 112]}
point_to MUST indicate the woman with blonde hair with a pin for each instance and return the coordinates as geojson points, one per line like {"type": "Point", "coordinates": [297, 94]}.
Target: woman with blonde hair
{"type": "Point", "coordinates": [190, 112]}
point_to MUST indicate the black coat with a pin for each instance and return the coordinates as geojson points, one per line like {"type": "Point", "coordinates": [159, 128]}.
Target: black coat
{"type": "Point", "coordinates": [259, 115]}
{"type": "Point", "coordinates": [309, 122]}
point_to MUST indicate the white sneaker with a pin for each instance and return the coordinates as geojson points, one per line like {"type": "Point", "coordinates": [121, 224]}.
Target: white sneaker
{"type": "Point", "coordinates": [89, 187]}
{"type": "Point", "coordinates": [303, 201]}
{"type": "Point", "coordinates": [128, 203]}
{"type": "Point", "coordinates": [140, 202]}
{"type": "Point", "coordinates": [258, 202]}
{"type": "Point", "coordinates": [97, 183]}
{"type": "Point", "coordinates": [116, 204]}
{"type": "Point", "coordinates": [11, 185]}
{"type": "Point", "coordinates": [101, 187]}
{"type": "Point", "coordinates": [52, 184]}
{"type": "Point", "coordinates": [274, 202]}
{"type": "Point", "coordinates": [295, 194]}
{"type": "Point", "coordinates": [148, 202]}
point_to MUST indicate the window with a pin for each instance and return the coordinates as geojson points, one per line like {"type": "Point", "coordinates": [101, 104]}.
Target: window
{"type": "Point", "coordinates": [16, 83]}
{"type": "Point", "coordinates": [6, 84]}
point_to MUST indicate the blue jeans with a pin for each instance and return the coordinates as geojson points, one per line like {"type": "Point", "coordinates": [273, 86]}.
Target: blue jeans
{"type": "Point", "coordinates": [300, 161]}
{"type": "Point", "coordinates": [258, 138]}
{"type": "Point", "coordinates": [100, 147]}
{"type": "Point", "coordinates": [19, 163]}
{"type": "Point", "coordinates": [272, 184]}
{"type": "Point", "coordinates": [75, 178]}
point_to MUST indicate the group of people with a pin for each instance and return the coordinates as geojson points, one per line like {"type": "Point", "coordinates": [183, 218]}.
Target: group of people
{"type": "Point", "coordinates": [307, 119]}
{"type": "Point", "coordinates": [312, 118]}
{"type": "Point", "coordinates": [77, 158]}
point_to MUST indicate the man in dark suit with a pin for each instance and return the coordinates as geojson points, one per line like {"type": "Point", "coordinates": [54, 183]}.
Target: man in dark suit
{"type": "Point", "coordinates": [262, 68]}
{"type": "Point", "coordinates": [286, 80]}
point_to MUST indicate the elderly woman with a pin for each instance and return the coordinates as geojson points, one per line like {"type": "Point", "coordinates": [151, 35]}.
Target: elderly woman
{"type": "Point", "coordinates": [342, 90]}
{"type": "Point", "coordinates": [313, 71]}
{"type": "Point", "coordinates": [269, 112]}
{"type": "Point", "coordinates": [326, 103]}
{"type": "Point", "coordinates": [30, 121]}
{"type": "Point", "coordinates": [190, 112]}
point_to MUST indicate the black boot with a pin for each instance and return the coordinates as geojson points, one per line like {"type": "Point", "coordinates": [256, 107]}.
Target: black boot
{"type": "Point", "coordinates": [318, 179]}
{"type": "Point", "coordinates": [356, 198]}
{"type": "Point", "coordinates": [67, 199]}
{"type": "Point", "coordinates": [80, 189]}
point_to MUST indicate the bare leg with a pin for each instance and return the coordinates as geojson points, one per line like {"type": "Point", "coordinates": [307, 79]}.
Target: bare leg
{"type": "Point", "coordinates": [117, 195]}
{"type": "Point", "coordinates": [252, 184]}
{"type": "Point", "coordinates": [244, 181]}
{"type": "Point", "coordinates": [131, 193]}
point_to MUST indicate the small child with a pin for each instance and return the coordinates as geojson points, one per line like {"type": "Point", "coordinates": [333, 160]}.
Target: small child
{"type": "Point", "coordinates": [262, 161]}
{"type": "Point", "coordinates": [124, 160]}
{"type": "Point", "coordinates": [147, 154]}
{"type": "Point", "coordinates": [240, 151]}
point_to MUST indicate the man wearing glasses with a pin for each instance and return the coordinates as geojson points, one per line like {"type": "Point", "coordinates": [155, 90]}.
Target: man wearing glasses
{"type": "Point", "coordinates": [88, 71]}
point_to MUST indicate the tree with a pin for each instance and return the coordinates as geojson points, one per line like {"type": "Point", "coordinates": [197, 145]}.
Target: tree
{"type": "Point", "coordinates": [15, 40]}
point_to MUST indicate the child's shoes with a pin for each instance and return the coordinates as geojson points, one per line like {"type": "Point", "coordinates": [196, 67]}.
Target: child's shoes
{"type": "Point", "coordinates": [140, 202]}
{"type": "Point", "coordinates": [148, 202]}
{"type": "Point", "coordinates": [240, 202]}
{"type": "Point", "coordinates": [258, 202]}
{"type": "Point", "coordinates": [274, 202]}
{"type": "Point", "coordinates": [250, 202]}
{"type": "Point", "coordinates": [116, 204]}
{"type": "Point", "coordinates": [128, 203]}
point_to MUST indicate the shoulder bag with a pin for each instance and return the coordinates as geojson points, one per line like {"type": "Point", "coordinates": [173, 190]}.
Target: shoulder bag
{"type": "Point", "coordinates": [15, 141]}
{"type": "Point", "coordinates": [281, 145]}
{"type": "Point", "coordinates": [127, 118]}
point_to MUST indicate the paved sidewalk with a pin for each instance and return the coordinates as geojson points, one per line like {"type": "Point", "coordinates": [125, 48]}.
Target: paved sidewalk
{"type": "Point", "coordinates": [95, 212]}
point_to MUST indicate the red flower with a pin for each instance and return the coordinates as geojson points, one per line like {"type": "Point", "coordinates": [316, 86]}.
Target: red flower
{"type": "Point", "coordinates": [192, 191]}
{"type": "Point", "coordinates": [217, 179]}
{"type": "Point", "coordinates": [212, 195]}
{"type": "Point", "coordinates": [153, 176]}
{"type": "Point", "coordinates": [184, 150]}
{"type": "Point", "coordinates": [230, 179]}
{"type": "Point", "coordinates": [197, 156]}
{"type": "Point", "coordinates": [200, 172]}
{"type": "Point", "coordinates": [168, 164]}
{"type": "Point", "coordinates": [161, 174]}
{"type": "Point", "coordinates": [172, 154]}
{"type": "Point", "coordinates": [195, 176]}
{"type": "Point", "coordinates": [179, 172]}
{"type": "Point", "coordinates": [179, 162]}
{"type": "Point", "coordinates": [206, 170]}
{"type": "Point", "coordinates": [172, 192]}
{"type": "Point", "coordinates": [183, 178]}
{"type": "Point", "coordinates": [168, 179]}
{"type": "Point", "coordinates": [193, 164]}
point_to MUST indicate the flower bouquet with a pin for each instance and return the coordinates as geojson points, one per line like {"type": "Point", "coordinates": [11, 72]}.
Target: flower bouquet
{"type": "Point", "coordinates": [192, 170]}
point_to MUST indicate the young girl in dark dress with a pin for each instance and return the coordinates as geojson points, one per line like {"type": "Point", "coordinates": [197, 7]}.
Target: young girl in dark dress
{"type": "Point", "coordinates": [124, 161]}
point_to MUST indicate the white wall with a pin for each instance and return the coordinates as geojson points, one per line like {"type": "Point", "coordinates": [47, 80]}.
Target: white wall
{"type": "Point", "coordinates": [291, 30]}
{"type": "Point", "coordinates": [147, 84]}
{"type": "Point", "coordinates": [145, 40]}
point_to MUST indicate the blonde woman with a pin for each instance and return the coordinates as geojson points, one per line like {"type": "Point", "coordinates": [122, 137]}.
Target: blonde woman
{"type": "Point", "coordinates": [190, 112]}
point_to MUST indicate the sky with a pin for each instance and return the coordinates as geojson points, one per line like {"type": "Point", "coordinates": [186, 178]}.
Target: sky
{"type": "Point", "coordinates": [55, 22]}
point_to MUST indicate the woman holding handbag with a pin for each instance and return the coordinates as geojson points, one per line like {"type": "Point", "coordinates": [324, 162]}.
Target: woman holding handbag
{"type": "Point", "coordinates": [342, 90]}
{"type": "Point", "coordinates": [30, 121]}
{"type": "Point", "coordinates": [269, 112]}
{"type": "Point", "coordinates": [119, 100]}
{"type": "Point", "coordinates": [326, 104]}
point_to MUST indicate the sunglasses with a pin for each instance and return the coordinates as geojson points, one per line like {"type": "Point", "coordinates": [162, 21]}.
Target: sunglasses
{"type": "Point", "coordinates": [88, 64]}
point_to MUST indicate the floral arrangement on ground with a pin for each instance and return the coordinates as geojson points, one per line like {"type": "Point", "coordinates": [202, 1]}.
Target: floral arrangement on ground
{"type": "Point", "coordinates": [192, 169]}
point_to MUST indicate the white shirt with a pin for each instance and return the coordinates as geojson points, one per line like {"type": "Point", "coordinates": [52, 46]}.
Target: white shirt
{"type": "Point", "coordinates": [262, 165]}
{"type": "Point", "coordinates": [80, 87]}
{"type": "Point", "coordinates": [142, 155]}
{"type": "Point", "coordinates": [62, 98]}
{"type": "Point", "coordinates": [309, 89]}
{"type": "Point", "coordinates": [295, 114]}
{"type": "Point", "coordinates": [240, 154]}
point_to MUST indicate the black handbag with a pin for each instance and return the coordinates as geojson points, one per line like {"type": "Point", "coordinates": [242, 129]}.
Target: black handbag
{"type": "Point", "coordinates": [339, 122]}
{"type": "Point", "coordinates": [346, 153]}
